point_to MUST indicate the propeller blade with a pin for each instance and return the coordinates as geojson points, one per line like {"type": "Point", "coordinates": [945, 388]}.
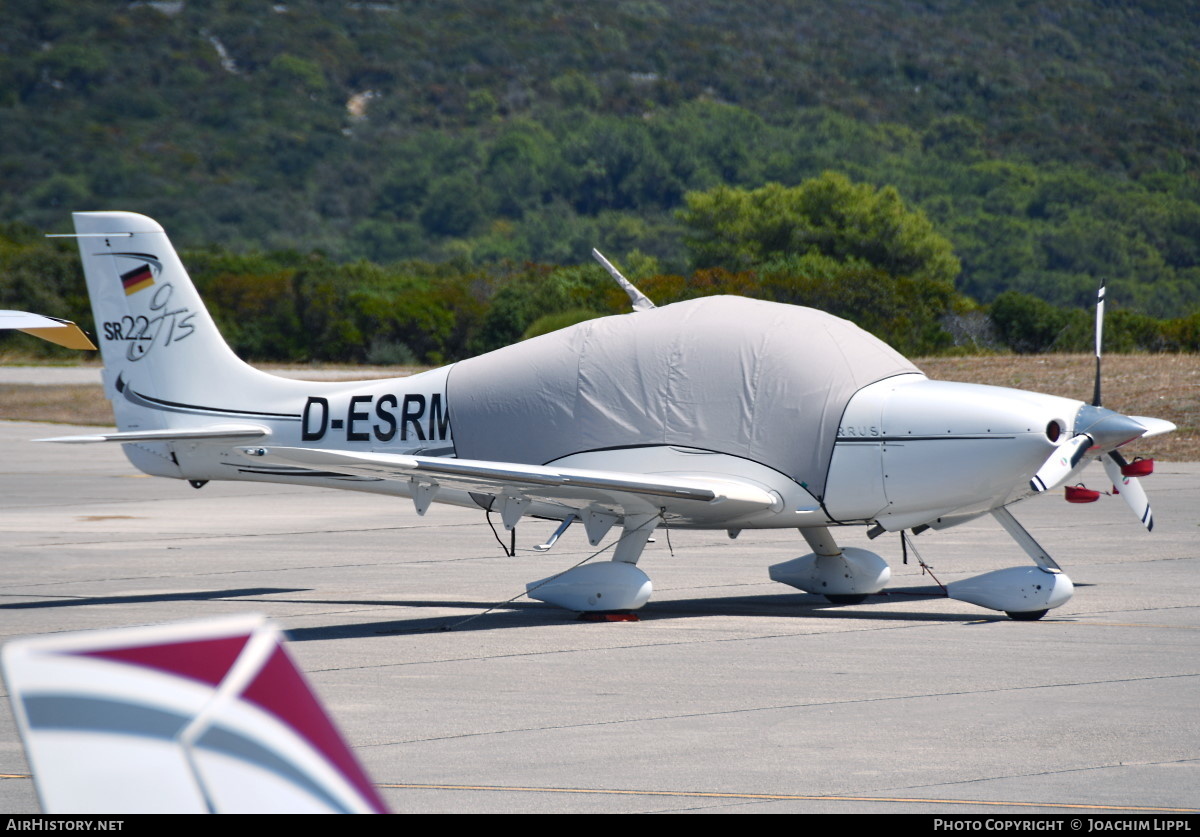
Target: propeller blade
{"type": "Point", "coordinates": [1099, 342]}
{"type": "Point", "coordinates": [1061, 463]}
{"type": "Point", "coordinates": [1130, 487]}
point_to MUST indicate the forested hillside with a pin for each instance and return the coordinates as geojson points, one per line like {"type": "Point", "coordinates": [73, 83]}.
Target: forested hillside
{"type": "Point", "coordinates": [1052, 144]}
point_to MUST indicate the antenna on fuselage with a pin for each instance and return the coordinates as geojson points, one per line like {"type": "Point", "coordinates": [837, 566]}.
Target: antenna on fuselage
{"type": "Point", "coordinates": [640, 301]}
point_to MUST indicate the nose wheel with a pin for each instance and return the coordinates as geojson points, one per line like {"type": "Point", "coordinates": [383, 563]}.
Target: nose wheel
{"type": "Point", "coordinates": [1025, 615]}
{"type": "Point", "coordinates": [845, 600]}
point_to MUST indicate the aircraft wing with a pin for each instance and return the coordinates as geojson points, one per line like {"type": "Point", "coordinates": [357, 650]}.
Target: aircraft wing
{"type": "Point", "coordinates": [690, 495]}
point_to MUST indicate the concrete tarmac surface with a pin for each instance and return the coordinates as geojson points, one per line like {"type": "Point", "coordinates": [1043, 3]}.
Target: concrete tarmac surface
{"type": "Point", "coordinates": [732, 694]}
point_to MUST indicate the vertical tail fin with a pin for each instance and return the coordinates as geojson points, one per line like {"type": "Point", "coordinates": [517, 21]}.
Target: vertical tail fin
{"type": "Point", "coordinates": [166, 365]}
{"type": "Point", "coordinates": [155, 333]}
{"type": "Point", "coordinates": [152, 326]}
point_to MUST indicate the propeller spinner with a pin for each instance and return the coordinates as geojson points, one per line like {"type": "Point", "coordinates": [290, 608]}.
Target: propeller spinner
{"type": "Point", "coordinates": [1098, 427]}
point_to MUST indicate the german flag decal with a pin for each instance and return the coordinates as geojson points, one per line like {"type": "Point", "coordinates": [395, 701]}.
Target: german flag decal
{"type": "Point", "coordinates": [137, 279]}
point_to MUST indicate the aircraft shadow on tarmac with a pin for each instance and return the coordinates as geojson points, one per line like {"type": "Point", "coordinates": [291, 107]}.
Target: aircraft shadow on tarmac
{"type": "Point", "coordinates": [525, 614]}
{"type": "Point", "coordinates": [191, 596]}
{"type": "Point", "coordinates": [528, 614]}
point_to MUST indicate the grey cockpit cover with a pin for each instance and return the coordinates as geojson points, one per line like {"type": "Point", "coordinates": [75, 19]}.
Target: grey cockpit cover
{"type": "Point", "coordinates": [760, 380]}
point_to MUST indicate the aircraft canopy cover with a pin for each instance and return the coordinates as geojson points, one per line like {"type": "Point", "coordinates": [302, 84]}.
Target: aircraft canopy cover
{"type": "Point", "coordinates": [760, 380]}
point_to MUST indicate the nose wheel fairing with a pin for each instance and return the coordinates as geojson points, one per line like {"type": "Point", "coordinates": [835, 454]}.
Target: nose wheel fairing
{"type": "Point", "coordinates": [1021, 592]}
{"type": "Point", "coordinates": [846, 575]}
{"type": "Point", "coordinates": [1015, 590]}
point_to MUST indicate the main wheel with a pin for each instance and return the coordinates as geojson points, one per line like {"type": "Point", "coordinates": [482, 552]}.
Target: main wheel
{"type": "Point", "coordinates": [1026, 615]}
{"type": "Point", "coordinates": [849, 599]}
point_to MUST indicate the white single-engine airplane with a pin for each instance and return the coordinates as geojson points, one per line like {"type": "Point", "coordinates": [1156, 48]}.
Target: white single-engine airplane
{"type": "Point", "coordinates": [715, 413]}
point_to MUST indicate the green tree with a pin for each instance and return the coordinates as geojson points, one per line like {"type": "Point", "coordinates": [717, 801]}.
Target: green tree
{"type": "Point", "coordinates": [1029, 325]}
{"type": "Point", "coordinates": [828, 215]}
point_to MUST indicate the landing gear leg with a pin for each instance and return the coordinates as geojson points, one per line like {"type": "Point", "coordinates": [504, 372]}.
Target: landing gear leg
{"type": "Point", "coordinates": [1025, 540]}
{"type": "Point", "coordinates": [637, 531]}
{"type": "Point", "coordinates": [609, 586]}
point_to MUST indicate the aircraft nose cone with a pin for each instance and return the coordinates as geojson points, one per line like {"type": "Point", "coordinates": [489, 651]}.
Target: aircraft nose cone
{"type": "Point", "coordinates": [1109, 429]}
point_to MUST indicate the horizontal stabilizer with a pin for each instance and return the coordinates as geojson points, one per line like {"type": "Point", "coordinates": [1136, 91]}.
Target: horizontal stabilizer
{"type": "Point", "coordinates": [175, 434]}
{"type": "Point", "coordinates": [544, 481]}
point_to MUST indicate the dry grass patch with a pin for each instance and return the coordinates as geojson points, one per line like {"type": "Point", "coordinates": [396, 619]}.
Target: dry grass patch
{"type": "Point", "coordinates": [78, 404]}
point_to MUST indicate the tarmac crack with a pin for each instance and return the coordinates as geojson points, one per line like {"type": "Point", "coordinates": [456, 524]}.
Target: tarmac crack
{"type": "Point", "coordinates": [243, 571]}
{"type": "Point", "coordinates": [235, 536]}
{"type": "Point", "coordinates": [780, 707]}
{"type": "Point", "coordinates": [633, 646]}
{"type": "Point", "coordinates": [1035, 774]}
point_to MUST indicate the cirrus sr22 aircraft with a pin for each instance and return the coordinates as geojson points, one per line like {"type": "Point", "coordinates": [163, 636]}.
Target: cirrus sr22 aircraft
{"type": "Point", "coordinates": [715, 413]}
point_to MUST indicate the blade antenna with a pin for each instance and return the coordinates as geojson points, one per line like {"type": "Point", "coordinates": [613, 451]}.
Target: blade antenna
{"type": "Point", "coordinates": [640, 301]}
{"type": "Point", "coordinates": [1099, 342]}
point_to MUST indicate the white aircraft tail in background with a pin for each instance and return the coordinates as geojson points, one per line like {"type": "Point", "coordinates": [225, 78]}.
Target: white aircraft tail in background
{"type": "Point", "coordinates": [52, 329]}
{"type": "Point", "coordinates": [196, 717]}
